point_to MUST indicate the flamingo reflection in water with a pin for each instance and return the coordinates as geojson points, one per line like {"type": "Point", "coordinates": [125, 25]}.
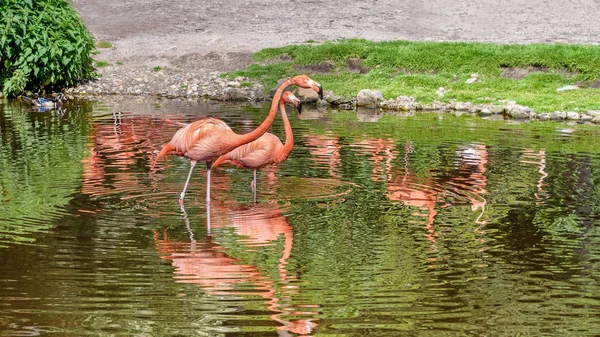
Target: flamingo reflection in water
{"type": "Point", "coordinates": [538, 159]}
{"type": "Point", "coordinates": [473, 161]}
{"type": "Point", "coordinates": [116, 147]}
{"type": "Point", "coordinates": [424, 192]}
{"type": "Point", "coordinates": [412, 190]}
{"type": "Point", "coordinates": [325, 150]}
{"type": "Point", "coordinates": [471, 182]}
{"type": "Point", "coordinates": [207, 263]}
{"type": "Point", "coordinates": [406, 187]}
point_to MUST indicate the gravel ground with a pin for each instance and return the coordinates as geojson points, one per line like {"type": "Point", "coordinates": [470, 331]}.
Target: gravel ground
{"type": "Point", "coordinates": [177, 48]}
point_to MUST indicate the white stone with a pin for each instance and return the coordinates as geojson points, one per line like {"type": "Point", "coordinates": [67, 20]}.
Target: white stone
{"type": "Point", "coordinates": [567, 87]}
{"type": "Point", "coordinates": [572, 115]}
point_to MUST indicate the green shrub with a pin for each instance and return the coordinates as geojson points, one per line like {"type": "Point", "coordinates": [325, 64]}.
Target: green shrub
{"type": "Point", "coordinates": [43, 45]}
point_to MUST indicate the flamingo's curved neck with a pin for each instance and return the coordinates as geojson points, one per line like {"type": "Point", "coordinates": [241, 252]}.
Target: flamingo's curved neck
{"type": "Point", "coordinates": [289, 135]}
{"type": "Point", "coordinates": [264, 126]}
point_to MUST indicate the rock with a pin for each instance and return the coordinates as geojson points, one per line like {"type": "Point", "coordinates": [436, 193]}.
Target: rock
{"type": "Point", "coordinates": [496, 109]}
{"type": "Point", "coordinates": [401, 103]}
{"type": "Point", "coordinates": [586, 118]}
{"type": "Point", "coordinates": [274, 89]}
{"type": "Point", "coordinates": [517, 111]}
{"type": "Point", "coordinates": [441, 91]}
{"type": "Point", "coordinates": [233, 84]}
{"type": "Point", "coordinates": [307, 95]}
{"type": "Point", "coordinates": [322, 103]}
{"type": "Point", "coordinates": [334, 99]}
{"type": "Point", "coordinates": [1, 94]}
{"type": "Point", "coordinates": [593, 113]}
{"type": "Point", "coordinates": [346, 106]}
{"type": "Point", "coordinates": [368, 98]}
{"type": "Point", "coordinates": [596, 120]}
{"type": "Point", "coordinates": [441, 106]}
{"type": "Point", "coordinates": [459, 106]}
{"type": "Point", "coordinates": [474, 78]}
{"type": "Point", "coordinates": [485, 112]}
{"type": "Point", "coordinates": [573, 116]}
{"type": "Point", "coordinates": [558, 115]}
{"type": "Point", "coordinates": [567, 87]}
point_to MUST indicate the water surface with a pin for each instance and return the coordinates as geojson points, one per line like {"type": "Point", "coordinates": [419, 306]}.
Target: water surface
{"type": "Point", "coordinates": [431, 225]}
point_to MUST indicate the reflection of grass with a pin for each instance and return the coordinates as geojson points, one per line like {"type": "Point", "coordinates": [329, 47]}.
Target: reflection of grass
{"type": "Point", "coordinates": [419, 68]}
{"type": "Point", "coordinates": [39, 180]}
{"type": "Point", "coordinates": [434, 128]}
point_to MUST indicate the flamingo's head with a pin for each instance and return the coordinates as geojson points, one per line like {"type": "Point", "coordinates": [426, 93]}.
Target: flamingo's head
{"type": "Point", "coordinates": [306, 82]}
{"type": "Point", "coordinates": [289, 97]}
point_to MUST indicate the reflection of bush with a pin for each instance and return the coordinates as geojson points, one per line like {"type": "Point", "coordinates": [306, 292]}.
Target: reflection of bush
{"type": "Point", "coordinates": [43, 44]}
{"type": "Point", "coordinates": [40, 170]}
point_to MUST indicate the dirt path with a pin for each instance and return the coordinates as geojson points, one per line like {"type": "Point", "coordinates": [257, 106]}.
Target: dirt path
{"type": "Point", "coordinates": [221, 35]}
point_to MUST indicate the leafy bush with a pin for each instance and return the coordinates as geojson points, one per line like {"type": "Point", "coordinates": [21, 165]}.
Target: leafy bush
{"type": "Point", "coordinates": [43, 45]}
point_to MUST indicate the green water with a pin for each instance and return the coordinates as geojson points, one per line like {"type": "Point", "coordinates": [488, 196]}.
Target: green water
{"type": "Point", "coordinates": [431, 225]}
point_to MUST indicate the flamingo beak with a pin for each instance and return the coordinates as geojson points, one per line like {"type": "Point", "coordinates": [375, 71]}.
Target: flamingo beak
{"type": "Point", "coordinates": [299, 107]}
{"type": "Point", "coordinates": [320, 91]}
{"type": "Point", "coordinates": [317, 87]}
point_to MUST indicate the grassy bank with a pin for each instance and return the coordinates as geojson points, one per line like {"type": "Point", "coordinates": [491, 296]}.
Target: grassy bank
{"type": "Point", "coordinates": [528, 74]}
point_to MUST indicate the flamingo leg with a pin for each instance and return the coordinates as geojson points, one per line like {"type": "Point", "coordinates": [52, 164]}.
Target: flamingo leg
{"type": "Point", "coordinates": [208, 165]}
{"type": "Point", "coordinates": [253, 185]}
{"type": "Point", "coordinates": [192, 164]}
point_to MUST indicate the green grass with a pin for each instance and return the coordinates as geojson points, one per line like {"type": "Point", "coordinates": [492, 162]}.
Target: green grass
{"type": "Point", "coordinates": [101, 64]}
{"type": "Point", "coordinates": [157, 68]}
{"type": "Point", "coordinates": [103, 44]}
{"type": "Point", "coordinates": [419, 68]}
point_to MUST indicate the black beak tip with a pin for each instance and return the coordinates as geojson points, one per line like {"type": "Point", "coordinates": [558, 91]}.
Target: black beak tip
{"type": "Point", "coordinates": [299, 108]}
{"type": "Point", "coordinates": [320, 92]}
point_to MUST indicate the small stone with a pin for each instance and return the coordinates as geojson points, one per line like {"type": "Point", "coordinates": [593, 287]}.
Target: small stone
{"type": "Point", "coordinates": [543, 116]}
{"type": "Point", "coordinates": [474, 78]}
{"type": "Point", "coordinates": [485, 112]}
{"type": "Point", "coordinates": [573, 116]}
{"type": "Point", "coordinates": [558, 115]}
{"type": "Point", "coordinates": [458, 106]}
{"type": "Point", "coordinates": [593, 113]}
{"type": "Point", "coordinates": [567, 87]}
{"type": "Point", "coordinates": [369, 98]}
{"type": "Point", "coordinates": [441, 91]}
{"type": "Point", "coordinates": [496, 109]}
{"type": "Point", "coordinates": [596, 120]}
{"type": "Point", "coordinates": [586, 118]}
{"type": "Point", "coordinates": [308, 95]}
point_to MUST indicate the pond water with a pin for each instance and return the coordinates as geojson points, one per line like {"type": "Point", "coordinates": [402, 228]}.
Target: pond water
{"type": "Point", "coordinates": [431, 225]}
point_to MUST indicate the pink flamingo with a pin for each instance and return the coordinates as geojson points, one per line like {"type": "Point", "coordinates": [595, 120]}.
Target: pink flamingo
{"type": "Point", "coordinates": [267, 149]}
{"type": "Point", "coordinates": [208, 138]}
